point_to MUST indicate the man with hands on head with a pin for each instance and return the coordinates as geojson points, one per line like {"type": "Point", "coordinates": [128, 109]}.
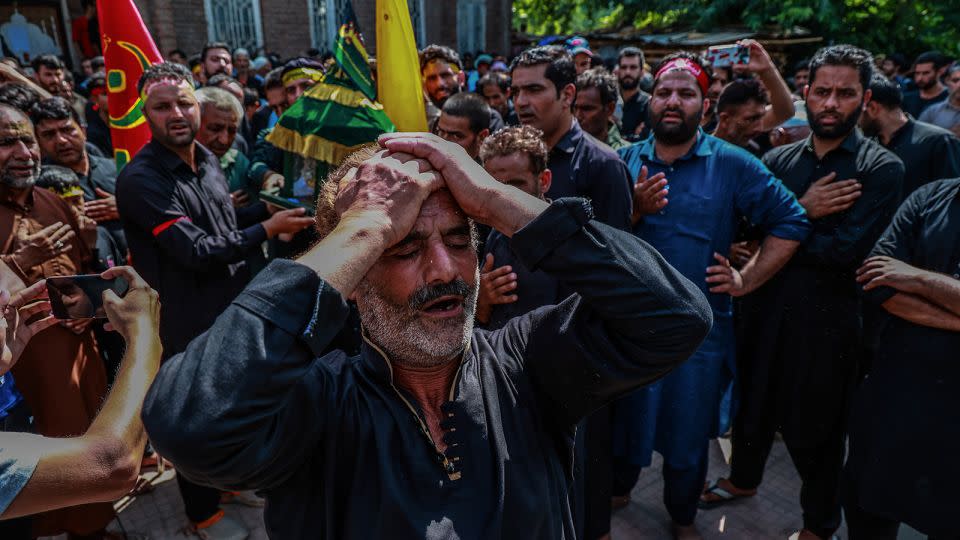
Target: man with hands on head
{"type": "Point", "coordinates": [37, 473]}
{"type": "Point", "coordinates": [435, 430]}
{"type": "Point", "coordinates": [710, 185]}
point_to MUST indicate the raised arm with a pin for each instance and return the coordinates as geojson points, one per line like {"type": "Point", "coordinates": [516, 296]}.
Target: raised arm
{"type": "Point", "coordinates": [246, 403]}
{"type": "Point", "coordinates": [781, 106]}
{"type": "Point", "coordinates": [634, 317]}
{"type": "Point", "coordinates": [112, 447]}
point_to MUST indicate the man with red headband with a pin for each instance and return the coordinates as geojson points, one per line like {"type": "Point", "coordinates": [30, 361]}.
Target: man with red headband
{"type": "Point", "coordinates": [188, 241]}
{"type": "Point", "coordinates": [710, 183]}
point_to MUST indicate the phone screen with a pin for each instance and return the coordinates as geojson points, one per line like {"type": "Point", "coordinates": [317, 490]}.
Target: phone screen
{"type": "Point", "coordinates": [728, 55]}
{"type": "Point", "coordinates": [81, 297]}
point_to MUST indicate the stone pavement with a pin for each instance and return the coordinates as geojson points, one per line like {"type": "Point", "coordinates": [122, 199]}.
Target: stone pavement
{"type": "Point", "coordinates": [773, 514]}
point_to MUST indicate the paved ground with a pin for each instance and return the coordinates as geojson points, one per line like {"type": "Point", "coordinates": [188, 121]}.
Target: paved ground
{"type": "Point", "coordinates": [773, 514]}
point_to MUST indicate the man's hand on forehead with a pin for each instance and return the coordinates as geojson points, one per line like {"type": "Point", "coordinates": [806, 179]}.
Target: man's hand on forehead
{"type": "Point", "coordinates": [386, 192]}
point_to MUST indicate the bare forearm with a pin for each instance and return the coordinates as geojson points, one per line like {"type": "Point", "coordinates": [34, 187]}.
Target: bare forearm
{"type": "Point", "coordinates": [773, 254]}
{"type": "Point", "coordinates": [781, 106]}
{"type": "Point", "coordinates": [344, 256]}
{"type": "Point", "coordinates": [939, 289]}
{"type": "Point", "coordinates": [508, 209]}
{"type": "Point", "coordinates": [920, 311]}
{"type": "Point", "coordinates": [110, 449]}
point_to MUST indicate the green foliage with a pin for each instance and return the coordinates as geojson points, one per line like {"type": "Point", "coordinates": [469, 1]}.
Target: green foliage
{"type": "Point", "coordinates": [909, 26]}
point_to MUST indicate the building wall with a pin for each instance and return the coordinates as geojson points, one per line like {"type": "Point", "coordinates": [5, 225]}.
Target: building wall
{"type": "Point", "coordinates": [286, 30]}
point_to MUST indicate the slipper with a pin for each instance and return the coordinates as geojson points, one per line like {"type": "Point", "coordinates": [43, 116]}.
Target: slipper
{"type": "Point", "coordinates": [725, 497]}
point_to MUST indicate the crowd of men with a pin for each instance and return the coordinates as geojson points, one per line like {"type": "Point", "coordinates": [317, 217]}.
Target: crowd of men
{"type": "Point", "coordinates": [486, 331]}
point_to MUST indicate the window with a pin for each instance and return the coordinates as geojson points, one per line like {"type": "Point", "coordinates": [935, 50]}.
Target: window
{"type": "Point", "coordinates": [416, 20]}
{"type": "Point", "coordinates": [471, 25]}
{"type": "Point", "coordinates": [326, 16]}
{"type": "Point", "coordinates": [236, 22]}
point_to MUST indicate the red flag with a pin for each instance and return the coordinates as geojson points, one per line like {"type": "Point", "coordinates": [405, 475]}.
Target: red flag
{"type": "Point", "coordinates": [128, 49]}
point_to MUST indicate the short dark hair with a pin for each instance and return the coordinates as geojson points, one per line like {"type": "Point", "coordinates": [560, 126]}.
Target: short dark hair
{"type": "Point", "coordinates": [631, 52]}
{"type": "Point", "coordinates": [898, 59]}
{"type": "Point", "coordinates": [741, 92]}
{"type": "Point", "coordinates": [221, 78]}
{"type": "Point", "coordinates": [177, 51]}
{"type": "Point", "coordinates": [274, 79]}
{"type": "Point", "coordinates": [885, 92]}
{"type": "Point", "coordinates": [931, 57]}
{"type": "Point", "coordinates": [97, 80]}
{"type": "Point", "coordinates": [214, 45]}
{"type": "Point", "coordinates": [439, 52]}
{"type": "Point", "coordinates": [502, 80]}
{"type": "Point", "coordinates": [54, 108]}
{"type": "Point", "coordinates": [801, 65]}
{"type": "Point", "coordinates": [164, 70]}
{"type": "Point", "coordinates": [700, 61]}
{"type": "Point", "coordinates": [601, 79]}
{"type": "Point", "coordinates": [469, 106]}
{"type": "Point", "coordinates": [194, 61]}
{"type": "Point", "coordinates": [48, 61]}
{"type": "Point", "coordinates": [57, 179]}
{"type": "Point", "coordinates": [18, 96]}
{"type": "Point", "coordinates": [97, 62]}
{"type": "Point", "coordinates": [847, 56]}
{"type": "Point", "coordinates": [250, 97]}
{"type": "Point", "coordinates": [560, 69]}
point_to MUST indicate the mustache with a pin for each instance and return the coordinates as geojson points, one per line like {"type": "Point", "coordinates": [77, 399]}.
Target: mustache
{"type": "Point", "coordinates": [429, 293]}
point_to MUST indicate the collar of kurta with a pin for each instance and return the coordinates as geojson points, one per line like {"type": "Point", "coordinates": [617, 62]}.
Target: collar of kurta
{"type": "Point", "coordinates": [850, 144]}
{"type": "Point", "coordinates": [8, 197]}
{"type": "Point", "coordinates": [904, 129]}
{"type": "Point", "coordinates": [702, 148]}
{"type": "Point", "coordinates": [568, 143]}
{"type": "Point", "coordinates": [172, 161]}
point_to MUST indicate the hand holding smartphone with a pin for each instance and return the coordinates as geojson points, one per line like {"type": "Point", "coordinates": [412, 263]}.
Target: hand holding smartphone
{"type": "Point", "coordinates": [728, 55]}
{"type": "Point", "coordinates": [81, 297]}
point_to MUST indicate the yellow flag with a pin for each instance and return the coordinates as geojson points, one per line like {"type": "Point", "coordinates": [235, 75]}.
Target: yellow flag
{"type": "Point", "coordinates": [399, 88]}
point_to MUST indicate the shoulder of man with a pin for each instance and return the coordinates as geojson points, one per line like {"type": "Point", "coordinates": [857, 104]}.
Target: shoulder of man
{"type": "Point", "coordinates": [774, 159]}
{"type": "Point", "coordinates": [927, 131]}
{"type": "Point", "coordinates": [874, 159]}
{"type": "Point", "coordinates": [596, 149]}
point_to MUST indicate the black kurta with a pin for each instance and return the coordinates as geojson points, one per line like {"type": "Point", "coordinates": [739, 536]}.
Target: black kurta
{"type": "Point", "coordinates": [342, 453]}
{"type": "Point", "coordinates": [904, 443]}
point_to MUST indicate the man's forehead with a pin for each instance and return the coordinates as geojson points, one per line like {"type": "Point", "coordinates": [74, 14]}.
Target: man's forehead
{"type": "Point", "coordinates": [450, 122]}
{"type": "Point", "coordinates": [441, 205]}
{"type": "Point", "coordinates": [678, 79]}
{"type": "Point", "coordinates": [530, 75]}
{"type": "Point", "coordinates": [836, 76]}
{"type": "Point", "coordinates": [437, 66]}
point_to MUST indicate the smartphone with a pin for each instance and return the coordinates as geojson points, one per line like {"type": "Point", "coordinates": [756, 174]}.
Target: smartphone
{"type": "Point", "coordinates": [728, 55]}
{"type": "Point", "coordinates": [81, 297]}
{"type": "Point", "coordinates": [287, 203]}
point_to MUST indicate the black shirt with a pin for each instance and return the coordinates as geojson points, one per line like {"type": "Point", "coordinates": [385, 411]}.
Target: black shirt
{"type": "Point", "coordinates": [928, 153]}
{"type": "Point", "coordinates": [585, 167]}
{"type": "Point", "coordinates": [340, 452]}
{"type": "Point", "coordinates": [907, 409]}
{"type": "Point", "coordinates": [914, 104]}
{"type": "Point", "coordinates": [103, 175]}
{"type": "Point", "coordinates": [841, 241]}
{"type": "Point", "coordinates": [98, 133]}
{"type": "Point", "coordinates": [184, 238]}
{"type": "Point", "coordinates": [534, 288]}
{"type": "Point", "coordinates": [634, 114]}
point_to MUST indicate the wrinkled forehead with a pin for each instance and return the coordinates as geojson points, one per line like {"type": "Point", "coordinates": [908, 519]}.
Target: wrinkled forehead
{"type": "Point", "coordinates": [14, 122]}
{"type": "Point", "coordinates": [440, 210]}
{"type": "Point", "coordinates": [166, 88]}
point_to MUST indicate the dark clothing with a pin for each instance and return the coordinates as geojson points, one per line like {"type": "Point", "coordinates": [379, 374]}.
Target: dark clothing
{"type": "Point", "coordinates": [98, 133]}
{"type": "Point", "coordinates": [798, 367]}
{"type": "Point", "coordinates": [535, 289]}
{"type": "Point", "coordinates": [340, 452]}
{"type": "Point", "coordinates": [585, 167]}
{"type": "Point", "coordinates": [914, 104]}
{"type": "Point", "coordinates": [260, 122]}
{"type": "Point", "coordinates": [184, 238]}
{"type": "Point", "coordinates": [903, 442]}
{"type": "Point", "coordinates": [103, 175]}
{"type": "Point", "coordinates": [928, 153]}
{"type": "Point", "coordinates": [635, 114]}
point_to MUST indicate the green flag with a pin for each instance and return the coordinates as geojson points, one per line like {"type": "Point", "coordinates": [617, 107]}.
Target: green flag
{"type": "Point", "coordinates": [352, 56]}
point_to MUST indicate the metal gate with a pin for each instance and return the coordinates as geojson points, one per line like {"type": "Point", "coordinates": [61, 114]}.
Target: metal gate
{"type": "Point", "coordinates": [237, 22]}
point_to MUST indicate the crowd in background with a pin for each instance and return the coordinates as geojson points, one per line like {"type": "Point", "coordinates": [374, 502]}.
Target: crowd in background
{"type": "Point", "coordinates": [816, 206]}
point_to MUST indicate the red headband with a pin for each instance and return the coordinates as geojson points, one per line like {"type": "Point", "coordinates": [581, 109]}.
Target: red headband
{"type": "Point", "coordinates": [683, 64]}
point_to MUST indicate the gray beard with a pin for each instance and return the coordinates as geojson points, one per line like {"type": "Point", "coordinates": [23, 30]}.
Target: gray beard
{"type": "Point", "coordinates": [409, 338]}
{"type": "Point", "coordinates": [20, 183]}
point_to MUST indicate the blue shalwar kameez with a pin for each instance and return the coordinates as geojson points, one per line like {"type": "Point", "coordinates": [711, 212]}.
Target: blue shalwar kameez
{"type": "Point", "coordinates": [708, 189]}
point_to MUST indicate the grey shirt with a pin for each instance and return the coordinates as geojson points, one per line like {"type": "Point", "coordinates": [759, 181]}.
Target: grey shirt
{"type": "Point", "coordinates": [941, 114]}
{"type": "Point", "coordinates": [17, 463]}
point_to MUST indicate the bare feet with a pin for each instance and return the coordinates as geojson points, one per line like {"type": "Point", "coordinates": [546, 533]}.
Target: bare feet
{"type": "Point", "coordinates": [686, 532]}
{"type": "Point", "coordinates": [710, 497]}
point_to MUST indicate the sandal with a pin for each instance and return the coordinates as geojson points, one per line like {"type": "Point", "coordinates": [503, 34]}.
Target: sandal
{"type": "Point", "coordinates": [725, 497]}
